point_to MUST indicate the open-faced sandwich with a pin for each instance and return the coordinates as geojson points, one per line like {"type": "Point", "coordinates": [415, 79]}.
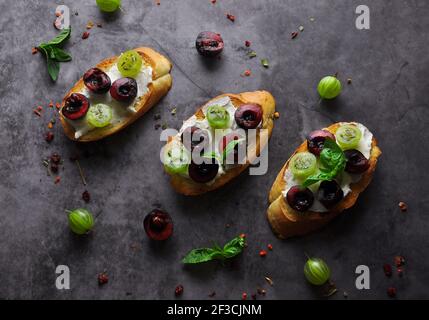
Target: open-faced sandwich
{"type": "Point", "coordinates": [219, 141]}
{"type": "Point", "coordinates": [114, 94]}
{"type": "Point", "coordinates": [323, 177]}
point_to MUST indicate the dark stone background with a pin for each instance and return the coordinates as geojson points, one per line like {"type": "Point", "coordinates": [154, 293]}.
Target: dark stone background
{"type": "Point", "coordinates": [389, 94]}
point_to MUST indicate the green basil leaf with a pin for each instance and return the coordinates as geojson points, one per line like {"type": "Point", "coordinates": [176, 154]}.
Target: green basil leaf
{"type": "Point", "coordinates": [331, 144]}
{"type": "Point", "coordinates": [53, 68]}
{"type": "Point", "coordinates": [233, 248]}
{"type": "Point", "coordinates": [199, 255]}
{"type": "Point", "coordinates": [333, 162]}
{"type": "Point", "coordinates": [60, 38]}
{"type": "Point", "coordinates": [60, 55]}
{"type": "Point", "coordinates": [230, 147]}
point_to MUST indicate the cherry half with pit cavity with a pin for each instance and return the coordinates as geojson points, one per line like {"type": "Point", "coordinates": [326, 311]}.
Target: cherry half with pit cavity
{"type": "Point", "coordinates": [299, 198]}
{"type": "Point", "coordinates": [75, 106]}
{"type": "Point", "coordinates": [209, 44]}
{"type": "Point", "coordinates": [316, 140]}
{"type": "Point", "coordinates": [356, 162]}
{"type": "Point", "coordinates": [97, 81]}
{"type": "Point", "coordinates": [330, 193]}
{"type": "Point", "coordinates": [124, 89]}
{"type": "Point", "coordinates": [204, 172]}
{"type": "Point", "coordinates": [158, 225]}
{"type": "Point", "coordinates": [248, 116]}
{"type": "Point", "coordinates": [193, 136]}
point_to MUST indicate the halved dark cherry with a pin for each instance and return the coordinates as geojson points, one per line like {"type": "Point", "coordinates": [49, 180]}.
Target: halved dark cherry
{"type": "Point", "coordinates": [194, 136]}
{"type": "Point", "coordinates": [124, 89]}
{"type": "Point", "coordinates": [300, 199]}
{"type": "Point", "coordinates": [209, 44]}
{"type": "Point", "coordinates": [329, 193]}
{"type": "Point", "coordinates": [226, 140]}
{"type": "Point", "coordinates": [316, 140]}
{"type": "Point", "coordinates": [356, 161]}
{"type": "Point", "coordinates": [75, 107]}
{"type": "Point", "coordinates": [97, 81]}
{"type": "Point", "coordinates": [203, 172]}
{"type": "Point", "coordinates": [248, 116]}
{"type": "Point", "coordinates": [158, 225]}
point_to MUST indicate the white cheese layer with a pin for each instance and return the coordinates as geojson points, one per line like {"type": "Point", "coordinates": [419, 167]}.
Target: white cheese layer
{"type": "Point", "coordinates": [344, 180]}
{"type": "Point", "coordinates": [120, 111]}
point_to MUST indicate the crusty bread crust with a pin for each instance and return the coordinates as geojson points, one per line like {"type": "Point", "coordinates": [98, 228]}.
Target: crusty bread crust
{"type": "Point", "coordinates": [266, 101]}
{"type": "Point", "coordinates": [287, 222]}
{"type": "Point", "coordinates": [161, 84]}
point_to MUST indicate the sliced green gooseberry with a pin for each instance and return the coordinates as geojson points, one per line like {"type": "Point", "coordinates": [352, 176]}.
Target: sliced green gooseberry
{"type": "Point", "coordinates": [99, 115]}
{"type": "Point", "coordinates": [130, 63]}
{"type": "Point", "coordinates": [176, 159]}
{"type": "Point", "coordinates": [218, 117]}
{"type": "Point", "coordinates": [348, 136]}
{"type": "Point", "coordinates": [303, 164]}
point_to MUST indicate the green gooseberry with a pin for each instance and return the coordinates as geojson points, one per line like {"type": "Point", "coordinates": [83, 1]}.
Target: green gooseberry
{"type": "Point", "coordinates": [81, 221]}
{"type": "Point", "coordinates": [329, 87]}
{"type": "Point", "coordinates": [316, 271]}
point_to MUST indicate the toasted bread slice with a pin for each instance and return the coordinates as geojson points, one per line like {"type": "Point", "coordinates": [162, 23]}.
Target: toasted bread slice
{"type": "Point", "coordinates": [160, 85]}
{"type": "Point", "coordinates": [286, 222]}
{"type": "Point", "coordinates": [266, 101]}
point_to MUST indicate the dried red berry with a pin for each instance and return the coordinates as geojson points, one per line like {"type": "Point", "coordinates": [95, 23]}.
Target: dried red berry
{"type": "Point", "coordinates": [244, 296]}
{"type": "Point", "coordinates": [262, 253]}
{"type": "Point", "coordinates": [391, 292]}
{"type": "Point", "coordinates": [49, 136]}
{"type": "Point", "coordinates": [399, 261]}
{"type": "Point", "coordinates": [55, 158]}
{"type": "Point", "coordinates": [179, 290]}
{"type": "Point", "coordinates": [387, 268]}
{"type": "Point", "coordinates": [270, 246]}
{"type": "Point", "coordinates": [57, 179]}
{"type": "Point", "coordinates": [247, 43]}
{"type": "Point", "coordinates": [253, 296]}
{"type": "Point", "coordinates": [86, 196]}
{"type": "Point", "coordinates": [243, 235]}
{"type": "Point", "coordinates": [230, 17]}
{"type": "Point", "coordinates": [247, 73]}
{"type": "Point", "coordinates": [213, 1]}
{"type": "Point", "coordinates": [34, 50]}
{"type": "Point", "coordinates": [85, 35]}
{"type": "Point", "coordinates": [103, 278]}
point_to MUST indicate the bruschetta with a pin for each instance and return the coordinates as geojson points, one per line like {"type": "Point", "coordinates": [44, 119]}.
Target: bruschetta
{"type": "Point", "coordinates": [114, 94]}
{"type": "Point", "coordinates": [324, 176]}
{"type": "Point", "coordinates": [220, 133]}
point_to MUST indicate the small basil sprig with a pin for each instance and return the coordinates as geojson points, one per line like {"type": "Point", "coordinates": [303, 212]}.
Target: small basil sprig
{"type": "Point", "coordinates": [228, 149]}
{"type": "Point", "coordinates": [54, 54]}
{"type": "Point", "coordinates": [333, 161]}
{"type": "Point", "coordinates": [231, 249]}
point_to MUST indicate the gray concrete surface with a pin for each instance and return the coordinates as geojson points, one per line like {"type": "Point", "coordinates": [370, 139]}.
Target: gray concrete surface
{"type": "Point", "coordinates": [389, 93]}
